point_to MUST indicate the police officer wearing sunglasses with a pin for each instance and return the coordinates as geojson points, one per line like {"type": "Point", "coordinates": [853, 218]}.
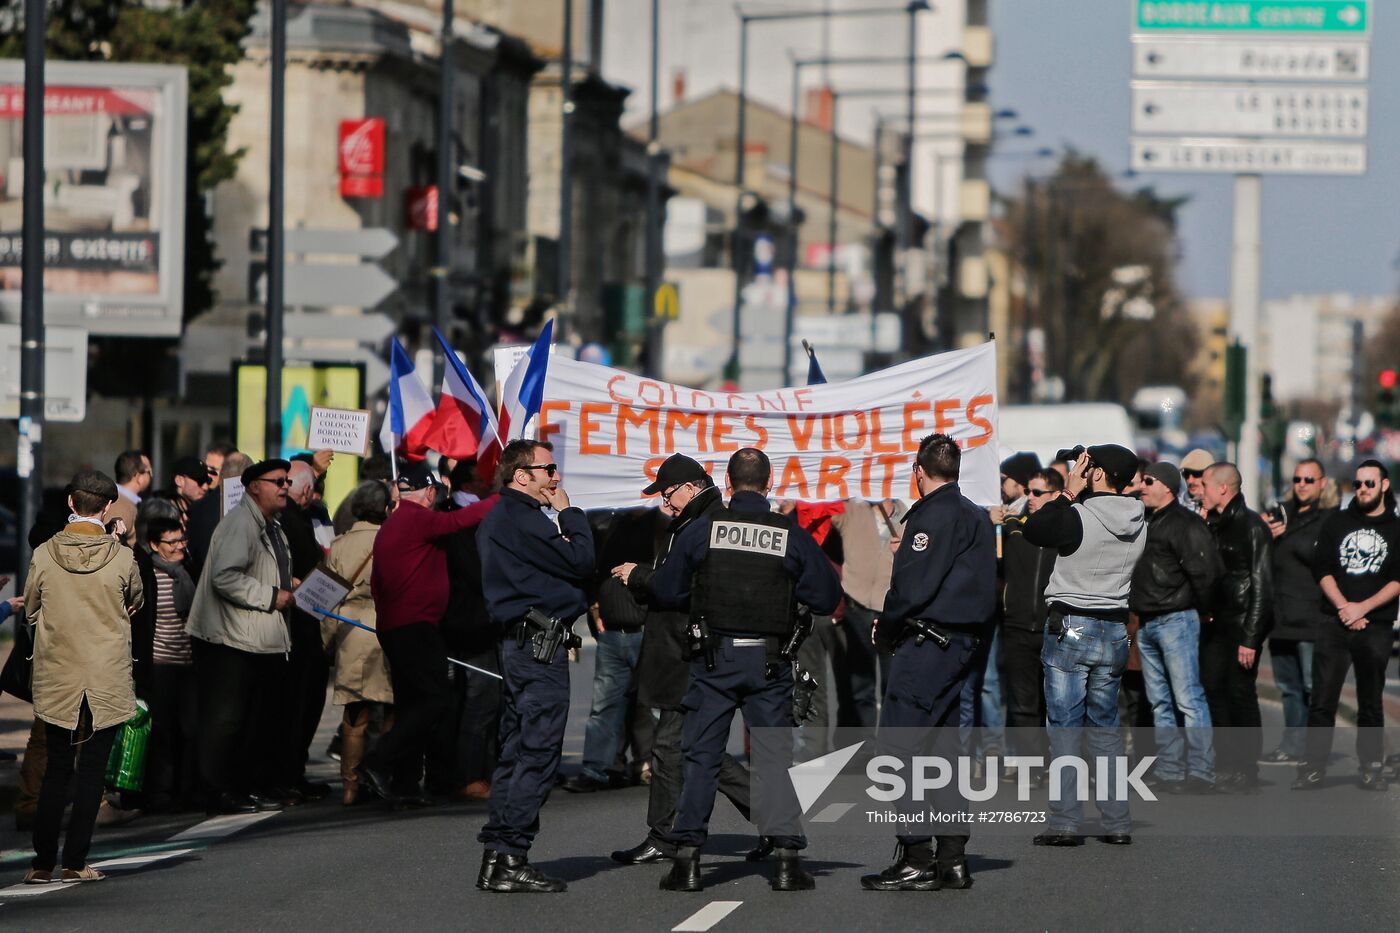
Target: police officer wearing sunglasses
{"type": "Point", "coordinates": [533, 572]}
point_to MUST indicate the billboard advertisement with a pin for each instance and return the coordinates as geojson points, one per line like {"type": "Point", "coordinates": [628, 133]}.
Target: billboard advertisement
{"type": "Point", "coordinates": [114, 195]}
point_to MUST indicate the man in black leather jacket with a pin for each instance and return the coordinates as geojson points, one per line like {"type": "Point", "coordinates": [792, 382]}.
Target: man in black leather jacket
{"type": "Point", "coordinates": [1297, 597]}
{"type": "Point", "coordinates": [663, 673]}
{"type": "Point", "coordinates": [1172, 585]}
{"type": "Point", "coordinates": [1243, 616]}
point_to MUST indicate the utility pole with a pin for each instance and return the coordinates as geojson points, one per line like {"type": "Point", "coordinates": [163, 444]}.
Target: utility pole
{"type": "Point", "coordinates": [1244, 323]}
{"type": "Point", "coordinates": [276, 241]}
{"type": "Point", "coordinates": [30, 460]}
{"type": "Point", "coordinates": [566, 174]}
{"type": "Point", "coordinates": [653, 226]}
{"type": "Point", "coordinates": [446, 146]}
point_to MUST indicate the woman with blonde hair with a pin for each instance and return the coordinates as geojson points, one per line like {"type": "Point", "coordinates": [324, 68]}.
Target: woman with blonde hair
{"type": "Point", "coordinates": [361, 670]}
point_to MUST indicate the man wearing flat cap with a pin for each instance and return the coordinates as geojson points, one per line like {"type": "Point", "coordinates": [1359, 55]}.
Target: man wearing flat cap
{"type": "Point", "coordinates": [1099, 534]}
{"type": "Point", "coordinates": [1172, 586]}
{"type": "Point", "coordinates": [238, 623]}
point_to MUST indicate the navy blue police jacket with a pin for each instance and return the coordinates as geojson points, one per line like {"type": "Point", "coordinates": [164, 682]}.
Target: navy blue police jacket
{"type": "Point", "coordinates": [816, 584]}
{"type": "Point", "coordinates": [527, 561]}
{"type": "Point", "coordinates": [945, 570]}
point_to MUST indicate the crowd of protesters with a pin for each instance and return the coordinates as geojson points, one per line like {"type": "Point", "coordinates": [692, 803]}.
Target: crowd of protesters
{"type": "Point", "coordinates": [186, 604]}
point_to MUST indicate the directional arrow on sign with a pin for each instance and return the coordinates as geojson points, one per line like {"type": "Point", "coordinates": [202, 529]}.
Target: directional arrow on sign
{"type": "Point", "coordinates": [319, 325]}
{"type": "Point", "coordinates": [370, 242]}
{"type": "Point", "coordinates": [327, 285]}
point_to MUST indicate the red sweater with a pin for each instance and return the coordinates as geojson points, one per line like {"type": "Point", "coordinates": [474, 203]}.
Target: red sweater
{"type": "Point", "coordinates": [409, 580]}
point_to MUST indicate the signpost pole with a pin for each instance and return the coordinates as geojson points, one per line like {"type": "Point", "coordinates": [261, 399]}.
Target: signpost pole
{"type": "Point", "coordinates": [442, 267]}
{"type": "Point", "coordinates": [1244, 323]}
{"type": "Point", "coordinates": [31, 368]}
{"type": "Point", "coordinates": [276, 250]}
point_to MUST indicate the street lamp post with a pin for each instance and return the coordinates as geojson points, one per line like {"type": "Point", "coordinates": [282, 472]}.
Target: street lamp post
{"type": "Point", "coordinates": [798, 65]}
{"type": "Point", "coordinates": [29, 454]}
{"type": "Point", "coordinates": [276, 244]}
{"type": "Point", "coordinates": [653, 220]}
{"type": "Point", "coordinates": [564, 273]}
{"type": "Point", "coordinates": [443, 264]}
{"type": "Point", "coordinates": [738, 258]}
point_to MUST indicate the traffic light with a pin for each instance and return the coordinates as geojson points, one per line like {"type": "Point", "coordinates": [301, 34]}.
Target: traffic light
{"type": "Point", "coordinates": [1386, 414]}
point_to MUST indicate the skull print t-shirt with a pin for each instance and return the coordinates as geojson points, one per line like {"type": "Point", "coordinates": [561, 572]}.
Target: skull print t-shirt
{"type": "Point", "coordinates": [1362, 554]}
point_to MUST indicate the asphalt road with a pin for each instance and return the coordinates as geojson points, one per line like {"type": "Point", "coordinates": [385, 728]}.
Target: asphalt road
{"type": "Point", "coordinates": [320, 866]}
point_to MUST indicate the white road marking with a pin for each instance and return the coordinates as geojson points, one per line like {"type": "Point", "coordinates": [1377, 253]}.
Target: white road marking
{"type": "Point", "coordinates": [137, 861]}
{"type": "Point", "coordinates": [33, 890]}
{"type": "Point", "coordinates": [833, 812]}
{"type": "Point", "coordinates": [221, 826]}
{"type": "Point", "coordinates": [706, 917]}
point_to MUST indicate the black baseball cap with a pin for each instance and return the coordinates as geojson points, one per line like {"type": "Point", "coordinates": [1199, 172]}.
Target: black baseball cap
{"type": "Point", "coordinates": [1120, 463]}
{"type": "Point", "coordinates": [94, 482]}
{"type": "Point", "coordinates": [417, 476]}
{"type": "Point", "coordinates": [677, 469]}
{"type": "Point", "coordinates": [191, 468]}
{"type": "Point", "coordinates": [262, 468]}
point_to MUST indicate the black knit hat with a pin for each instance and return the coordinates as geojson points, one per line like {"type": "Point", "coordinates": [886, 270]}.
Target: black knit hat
{"type": "Point", "coordinates": [1021, 467]}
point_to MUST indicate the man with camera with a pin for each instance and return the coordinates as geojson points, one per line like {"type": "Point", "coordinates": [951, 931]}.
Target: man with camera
{"type": "Point", "coordinates": [743, 571]}
{"type": "Point", "coordinates": [533, 572]}
{"type": "Point", "coordinates": [1099, 534]}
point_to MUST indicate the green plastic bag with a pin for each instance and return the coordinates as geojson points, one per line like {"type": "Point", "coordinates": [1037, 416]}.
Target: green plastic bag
{"type": "Point", "coordinates": [126, 768]}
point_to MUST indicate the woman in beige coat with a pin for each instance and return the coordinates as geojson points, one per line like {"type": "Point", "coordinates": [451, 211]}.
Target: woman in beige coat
{"type": "Point", "coordinates": [361, 672]}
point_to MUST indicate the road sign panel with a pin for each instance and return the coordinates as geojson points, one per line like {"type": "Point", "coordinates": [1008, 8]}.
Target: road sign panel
{"type": "Point", "coordinates": [667, 303]}
{"type": "Point", "coordinates": [1288, 157]}
{"type": "Point", "coordinates": [369, 242]}
{"type": "Point", "coordinates": [327, 285]}
{"type": "Point", "coordinates": [65, 372]}
{"type": "Point", "coordinates": [1322, 17]}
{"type": "Point", "coordinates": [1250, 59]}
{"type": "Point", "coordinates": [1249, 110]}
{"type": "Point", "coordinates": [320, 325]}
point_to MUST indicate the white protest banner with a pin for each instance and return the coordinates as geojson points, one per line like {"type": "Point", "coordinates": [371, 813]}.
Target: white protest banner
{"type": "Point", "coordinates": [321, 592]}
{"type": "Point", "coordinates": [344, 430]}
{"type": "Point", "coordinates": [232, 488]}
{"type": "Point", "coordinates": [611, 429]}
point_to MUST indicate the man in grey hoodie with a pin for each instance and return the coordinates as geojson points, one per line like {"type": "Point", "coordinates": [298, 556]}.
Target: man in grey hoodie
{"type": "Point", "coordinates": [1099, 534]}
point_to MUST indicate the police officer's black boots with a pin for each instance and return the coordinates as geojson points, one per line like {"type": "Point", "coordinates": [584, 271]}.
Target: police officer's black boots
{"type": "Point", "coordinates": [761, 851]}
{"type": "Point", "coordinates": [513, 874]}
{"type": "Point", "coordinates": [913, 870]}
{"type": "Point", "coordinates": [488, 863]}
{"type": "Point", "coordinates": [685, 871]}
{"type": "Point", "coordinates": [954, 876]}
{"type": "Point", "coordinates": [790, 876]}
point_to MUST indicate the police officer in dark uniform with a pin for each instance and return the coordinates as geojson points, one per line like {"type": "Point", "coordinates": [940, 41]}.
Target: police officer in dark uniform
{"type": "Point", "coordinates": [941, 601]}
{"type": "Point", "coordinates": [743, 571]}
{"type": "Point", "coordinates": [533, 572]}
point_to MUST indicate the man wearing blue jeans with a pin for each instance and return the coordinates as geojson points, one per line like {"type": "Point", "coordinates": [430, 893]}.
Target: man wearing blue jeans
{"type": "Point", "coordinates": [1172, 582]}
{"type": "Point", "coordinates": [1099, 534]}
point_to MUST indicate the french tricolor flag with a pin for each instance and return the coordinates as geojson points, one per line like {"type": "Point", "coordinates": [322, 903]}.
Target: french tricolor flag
{"type": "Point", "coordinates": [521, 400]}
{"type": "Point", "coordinates": [464, 418]}
{"type": "Point", "coordinates": [410, 414]}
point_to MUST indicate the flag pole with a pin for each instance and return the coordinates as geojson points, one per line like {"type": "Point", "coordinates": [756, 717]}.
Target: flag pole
{"type": "Point", "coordinates": [394, 460]}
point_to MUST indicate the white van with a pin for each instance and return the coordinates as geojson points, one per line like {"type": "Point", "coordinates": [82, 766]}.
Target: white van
{"type": "Point", "coordinates": [1045, 429]}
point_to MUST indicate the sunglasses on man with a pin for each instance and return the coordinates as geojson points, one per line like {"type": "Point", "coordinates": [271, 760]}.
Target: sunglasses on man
{"type": "Point", "coordinates": [1041, 492]}
{"type": "Point", "coordinates": [1193, 474]}
{"type": "Point", "coordinates": [1304, 480]}
{"type": "Point", "coordinates": [1368, 483]}
{"type": "Point", "coordinates": [549, 468]}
